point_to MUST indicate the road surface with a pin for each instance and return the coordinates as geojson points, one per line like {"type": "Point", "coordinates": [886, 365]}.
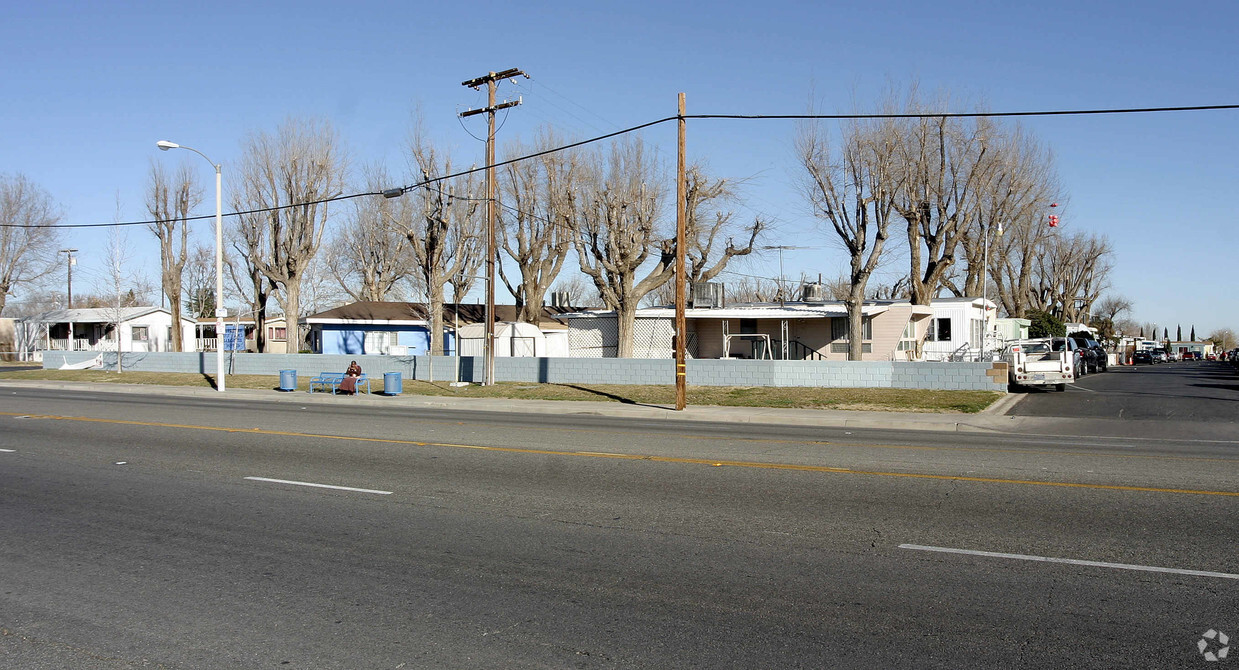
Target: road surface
{"type": "Point", "coordinates": [156, 531]}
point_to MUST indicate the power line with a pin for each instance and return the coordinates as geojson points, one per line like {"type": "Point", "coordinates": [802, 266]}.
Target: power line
{"type": "Point", "coordinates": [393, 192]}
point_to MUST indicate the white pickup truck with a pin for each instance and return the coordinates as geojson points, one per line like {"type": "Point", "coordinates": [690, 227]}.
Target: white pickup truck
{"type": "Point", "coordinates": [1042, 362]}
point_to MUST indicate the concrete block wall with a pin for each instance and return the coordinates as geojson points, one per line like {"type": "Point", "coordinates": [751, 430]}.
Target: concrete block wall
{"type": "Point", "coordinates": [701, 372]}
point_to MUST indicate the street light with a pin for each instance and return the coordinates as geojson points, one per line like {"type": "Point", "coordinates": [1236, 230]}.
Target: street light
{"type": "Point", "coordinates": [220, 312]}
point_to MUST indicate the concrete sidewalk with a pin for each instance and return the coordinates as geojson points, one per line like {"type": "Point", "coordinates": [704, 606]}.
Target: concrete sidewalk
{"type": "Point", "coordinates": [992, 419]}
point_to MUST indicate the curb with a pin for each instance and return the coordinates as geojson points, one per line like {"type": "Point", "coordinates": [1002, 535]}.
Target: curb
{"type": "Point", "coordinates": [706, 413]}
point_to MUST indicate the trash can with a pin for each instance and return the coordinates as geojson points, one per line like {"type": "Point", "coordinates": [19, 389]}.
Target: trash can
{"type": "Point", "coordinates": [392, 385]}
{"type": "Point", "coordinates": [288, 380]}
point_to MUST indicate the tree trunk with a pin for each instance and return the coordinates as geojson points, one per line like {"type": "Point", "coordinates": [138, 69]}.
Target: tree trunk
{"type": "Point", "coordinates": [292, 305]}
{"type": "Point", "coordinates": [854, 302]}
{"type": "Point", "coordinates": [625, 324]}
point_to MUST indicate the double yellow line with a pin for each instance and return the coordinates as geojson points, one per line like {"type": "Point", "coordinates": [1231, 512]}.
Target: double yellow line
{"type": "Point", "coordinates": [631, 457]}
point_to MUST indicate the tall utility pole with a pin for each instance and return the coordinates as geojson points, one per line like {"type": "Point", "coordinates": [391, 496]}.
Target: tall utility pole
{"type": "Point", "coordinates": [681, 325]}
{"type": "Point", "coordinates": [491, 80]}
{"type": "Point", "coordinates": [70, 261]}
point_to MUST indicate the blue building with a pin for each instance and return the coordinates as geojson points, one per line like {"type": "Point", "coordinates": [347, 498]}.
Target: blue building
{"type": "Point", "coordinates": [399, 328]}
{"type": "Point", "coordinates": [403, 328]}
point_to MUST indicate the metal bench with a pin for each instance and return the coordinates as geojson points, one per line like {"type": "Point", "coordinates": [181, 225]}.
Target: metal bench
{"type": "Point", "coordinates": [332, 380]}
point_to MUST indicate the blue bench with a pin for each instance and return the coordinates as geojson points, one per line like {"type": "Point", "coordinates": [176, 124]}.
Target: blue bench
{"type": "Point", "coordinates": [332, 380]}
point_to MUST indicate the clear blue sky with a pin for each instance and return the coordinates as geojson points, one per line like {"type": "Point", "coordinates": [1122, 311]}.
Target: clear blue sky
{"type": "Point", "coordinates": [89, 87]}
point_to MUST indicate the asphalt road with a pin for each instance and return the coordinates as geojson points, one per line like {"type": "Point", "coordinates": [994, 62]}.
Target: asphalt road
{"type": "Point", "coordinates": [1189, 391]}
{"type": "Point", "coordinates": [146, 531]}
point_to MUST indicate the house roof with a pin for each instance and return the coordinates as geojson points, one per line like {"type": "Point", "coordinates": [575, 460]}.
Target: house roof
{"type": "Point", "coordinates": [787, 310]}
{"type": "Point", "coordinates": [416, 313]}
{"type": "Point", "coordinates": [95, 315]}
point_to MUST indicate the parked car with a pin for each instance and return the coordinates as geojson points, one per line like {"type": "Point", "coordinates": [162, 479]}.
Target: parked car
{"type": "Point", "coordinates": [1142, 356]}
{"type": "Point", "coordinates": [1160, 356]}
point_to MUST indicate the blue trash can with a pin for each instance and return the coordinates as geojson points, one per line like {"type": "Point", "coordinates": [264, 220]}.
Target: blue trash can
{"type": "Point", "coordinates": [288, 380]}
{"type": "Point", "coordinates": [392, 384]}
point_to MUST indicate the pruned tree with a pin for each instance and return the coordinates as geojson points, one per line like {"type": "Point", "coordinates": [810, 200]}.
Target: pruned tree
{"type": "Point", "coordinates": [617, 230]}
{"type": "Point", "coordinates": [288, 176]}
{"type": "Point", "coordinates": [1009, 210]}
{"type": "Point", "coordinates": [851, 187]}
{"type": "Point", "coordinates": [539, 206]}
{"type": "Point", "coordinates": [946, 167]}
{"type": "Point", "coordinates": [438, 223]}
{"type": "Point", "coordinates": [28, 236]}
{"type": "Point", "coordinates": [169, 199]}
{"type": "Point", "coordinates": [710, 225]}
{"type": "Point", "coordinates": [367, 255]}
{"type": "Point", "coordinates": [248, 238]}
{"type": "Point", "coordinates": [1073, 270]}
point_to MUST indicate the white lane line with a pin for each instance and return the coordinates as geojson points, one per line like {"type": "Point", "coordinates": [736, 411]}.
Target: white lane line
{"type": "Point", "coordinates": [1072, 561]}
{"type": "Point", "coordinates": [318, 486]}
{"type": "Point", "coordinates": [9, 451]}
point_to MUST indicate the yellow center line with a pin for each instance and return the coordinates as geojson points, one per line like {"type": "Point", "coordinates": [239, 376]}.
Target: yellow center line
{"type": "Point", "coordinates": [633, 457]}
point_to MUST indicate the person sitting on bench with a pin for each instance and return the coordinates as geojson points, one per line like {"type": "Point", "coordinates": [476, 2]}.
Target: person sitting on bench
{"type": "Point", "coordinates": [349, 383]}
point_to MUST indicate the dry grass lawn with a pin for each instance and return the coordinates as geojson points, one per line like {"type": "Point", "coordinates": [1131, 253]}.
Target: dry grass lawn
{"type": "Point", "coordinates": [886, 400]}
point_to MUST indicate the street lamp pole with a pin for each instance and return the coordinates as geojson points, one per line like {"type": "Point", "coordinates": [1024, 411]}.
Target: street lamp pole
{"type": "Point", "coordinates": [220, 312]}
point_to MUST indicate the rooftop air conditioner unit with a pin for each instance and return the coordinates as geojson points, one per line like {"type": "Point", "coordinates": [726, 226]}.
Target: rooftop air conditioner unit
{"type": "Point", "coordinates": [813, 293]}
{"type": "Point", "coordinates": [706, 295]}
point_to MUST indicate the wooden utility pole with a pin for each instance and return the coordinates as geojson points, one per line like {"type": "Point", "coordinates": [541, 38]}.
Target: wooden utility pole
{"type": "Point", "coordinates": [681, 325]}
{"type": "Point", "coordinates": [491, 80]}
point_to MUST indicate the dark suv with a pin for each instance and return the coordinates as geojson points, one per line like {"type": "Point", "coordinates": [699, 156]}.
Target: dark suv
{"type": "Point", "coordinates": [1103, 358]}
{"type": "Point", "coordinates": [1089, 353]}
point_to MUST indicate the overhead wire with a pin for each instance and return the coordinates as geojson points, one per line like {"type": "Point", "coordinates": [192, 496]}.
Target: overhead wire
{"type": "Point", "coordinates": [649, 124]}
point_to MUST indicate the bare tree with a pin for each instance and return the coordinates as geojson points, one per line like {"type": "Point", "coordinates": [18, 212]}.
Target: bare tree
{"type": "Point", "coordinates": [438, 225]}
{"type": "Point", "coordinates": [710, 224]}
{"type": "Point", "coordinates": [1223, 338]}
{"type": "Point", "coordinates": [118, 281]}
{"type": "Point", "coordinates": [367, 255]}
{"type": "Point", "coordinates": [536, 219]}
{"type": "Point", "coordinates": [249, 237]}
{"type": "Point", "coordinates": [28, 237]}
{"type": "Point", "coordinates": [1111, 306]}
{"type": "Point", "coordinates": [198, 283]}
{"type": "Point", "coordinates": [1014, 196]}
{"type": "Point", "coordinates": [851, 187]}
{"type": "Point", "coordinates": [169, 199]}
{"type": "Point", "coordinates": [1073, 270]}
{"type": "Point", "coordinates": [617, 230]}
{"type": "Point", "coordinates": [947, 166]}
{"type": "Point", "coordinates": [469, 239]}
{"type": "Point", "coordinates": [581, 292]}
{"type": "Point", "coordinates": [289, 175]}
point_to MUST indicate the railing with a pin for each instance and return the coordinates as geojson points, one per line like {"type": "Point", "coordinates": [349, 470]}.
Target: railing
{"type": "Point", "coordinates": [81, 345]}
{"type": "Point", "coordinates": [799, 351]}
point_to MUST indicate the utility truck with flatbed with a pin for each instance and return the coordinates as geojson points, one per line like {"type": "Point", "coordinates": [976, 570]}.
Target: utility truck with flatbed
{"type": "Point", "coordinates": [1046, 361]}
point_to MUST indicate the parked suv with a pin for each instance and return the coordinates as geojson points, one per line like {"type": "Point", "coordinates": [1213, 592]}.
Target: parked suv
{"type": "Point", "coordinates": [1088, 355]}
{"type": "Point", "coordinates": [1103, 358]}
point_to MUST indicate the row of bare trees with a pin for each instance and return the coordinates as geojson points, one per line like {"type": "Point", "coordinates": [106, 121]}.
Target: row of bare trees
{"type": "Point", "coordinates": [607, 206]}
{"type": "Point", "coordinates": [960, 189]}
